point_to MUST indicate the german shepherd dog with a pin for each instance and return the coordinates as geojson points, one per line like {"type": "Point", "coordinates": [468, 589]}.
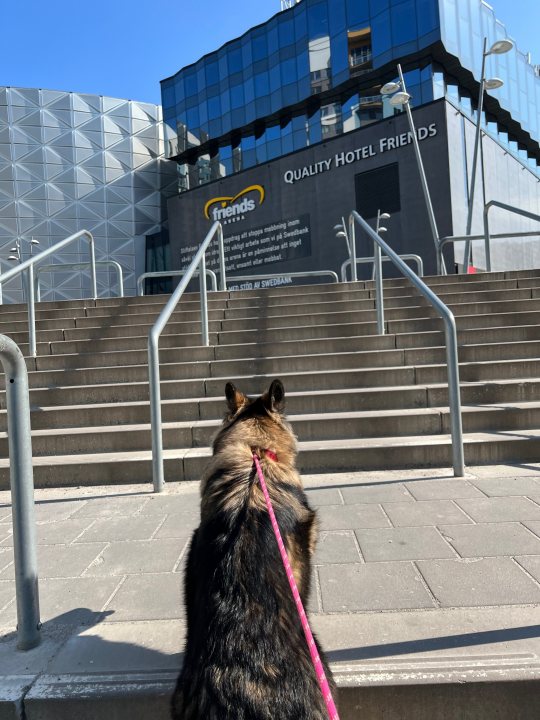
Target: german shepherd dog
{"type": "Point", "coordinates": [246, 656]}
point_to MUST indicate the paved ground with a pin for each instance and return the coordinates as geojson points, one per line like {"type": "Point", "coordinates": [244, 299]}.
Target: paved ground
{"type": "Point", "coordinates": [416, 573]}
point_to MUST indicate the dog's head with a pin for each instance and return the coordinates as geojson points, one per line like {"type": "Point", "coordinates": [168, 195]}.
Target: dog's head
{"type": "Point", "coordinates": [257, 424]}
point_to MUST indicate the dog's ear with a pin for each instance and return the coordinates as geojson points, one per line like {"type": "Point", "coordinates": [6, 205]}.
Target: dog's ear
{"type": "Point", "coordinates": [274, 399]}
{"type": "Point", "coordinates": [235, 398]}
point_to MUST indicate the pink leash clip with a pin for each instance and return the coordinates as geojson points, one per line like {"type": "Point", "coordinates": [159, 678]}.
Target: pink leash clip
{"type": "Point", "coordinates": [317, 664]}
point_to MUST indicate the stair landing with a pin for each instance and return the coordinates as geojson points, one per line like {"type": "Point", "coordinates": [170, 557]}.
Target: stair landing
{"type": "Point", "coordinates": [426, 596]}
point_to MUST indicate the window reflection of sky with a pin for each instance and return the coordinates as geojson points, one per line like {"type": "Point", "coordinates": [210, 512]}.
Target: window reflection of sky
{"type": "Point", "coordinates": [320, 45]}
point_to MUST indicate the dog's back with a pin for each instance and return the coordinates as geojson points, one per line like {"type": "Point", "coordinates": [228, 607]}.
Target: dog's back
{"type": "Point", "coordinates": [246, 656]}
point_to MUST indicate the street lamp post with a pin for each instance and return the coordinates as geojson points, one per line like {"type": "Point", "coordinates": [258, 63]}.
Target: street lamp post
{"type": "Point", "coordinates": [400, 96]}
{"type": "Point", "coordinates": [498, 48]}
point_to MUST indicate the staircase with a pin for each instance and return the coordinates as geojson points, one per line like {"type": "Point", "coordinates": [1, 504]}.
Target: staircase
{"type": "Point", "coordinates": [356, 400]}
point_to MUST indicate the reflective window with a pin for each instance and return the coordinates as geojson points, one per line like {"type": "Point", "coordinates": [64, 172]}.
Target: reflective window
{"type": "Point", "coordinates": [214, 107]}
{"type": "Point", "coordinates": [357, 13]}
{"type": "Point", "coordinates": [404, 22]}
{"type": "Point", "coordinates": [190, 83]}
{"type": "Point", "coordinates": [234, 59]}
{"type": "Point", "coordinates": [237, 96]}
{"type": "Point", "coordinates": [318, 20]}
{"type": "Point", "coordinates": [286, 33]}
{"type": "Point", "coordinates": [259, 47]}
{"type": "Point", "coordinates": [318, 45]}
{"type": "Point", "coordinates": [262, 85]}
{"type": "Point", "coordinates": [212, 73]}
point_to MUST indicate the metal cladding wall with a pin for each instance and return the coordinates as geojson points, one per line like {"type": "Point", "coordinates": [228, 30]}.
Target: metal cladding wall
{"type": "Point", "coordinates": [279, 217]}
{"type": "Point", "coordinates": [71, 161]}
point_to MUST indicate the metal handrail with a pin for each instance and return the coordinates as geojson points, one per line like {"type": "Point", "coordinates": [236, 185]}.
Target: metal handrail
{"type": "Point", "coordinates": [80, 266]}
{"type": "Point", "coordinates": [366, 260]}
{"type": "Point", "coordinates": [171, 273]}
{"type": "Point", "coordinates": [153, 342]}
{"type": "Point", "coordinates": [29, 265]}
{"type": "Point", "coordinates": [22, 494]}
{"type": "Point", "coordinates": [509, 208]}
{"type": "Point", "coordinates": [308, 273]}
{"type": "Point", "coordinates": [449, 326]}
{"type": "Point", "coordinates": [461, 238]}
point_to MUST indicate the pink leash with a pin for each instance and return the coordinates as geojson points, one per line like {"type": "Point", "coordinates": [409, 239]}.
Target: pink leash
{"type": "Point", "coordinates": [317, 664]}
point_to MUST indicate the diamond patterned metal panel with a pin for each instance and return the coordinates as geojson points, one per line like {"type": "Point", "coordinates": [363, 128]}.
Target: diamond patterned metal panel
{"type": "Point", "coordinates": [70, 161]}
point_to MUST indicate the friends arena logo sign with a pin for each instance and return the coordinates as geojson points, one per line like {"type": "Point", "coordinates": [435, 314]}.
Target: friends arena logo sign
{"type": "Point", "coordinates": [229, 209]}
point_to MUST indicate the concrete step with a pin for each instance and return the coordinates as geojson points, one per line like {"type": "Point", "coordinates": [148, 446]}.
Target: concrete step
{"type": "Point", "coordinates": [356, 299]}
{"type": "Point", "coordinates": [280, 364]}
{"type": "Point", "coordinates": [135, 323]}
{"type": "Point", "coordinates": [301, 380]}
{"type": "Point", "coordinates": [518, 333]}
{"type": "Point", "coordinates": [498, 280]}
{"type": "Point", "coordinates": [350, 400]}
{"type": "Point", "coordinates": [314, 427]}
{"type": "Point", "coordinates": [283, 334]}
{"type": "Point", "coordinates": [314, 457]}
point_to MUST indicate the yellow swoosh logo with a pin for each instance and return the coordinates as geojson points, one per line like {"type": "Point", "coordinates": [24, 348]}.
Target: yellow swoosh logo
{"type": "Point", "coordinates": [228, 200]}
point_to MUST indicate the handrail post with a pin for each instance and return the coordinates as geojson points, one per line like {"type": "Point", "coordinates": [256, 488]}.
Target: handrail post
{"type": "Point", "coordinates": [204, 302]}
{"type": "Point", "coordinates": [93, 265]}
{"type": "Point", "coordinates": [120, 277]}
{"type": "Point", "coordinates": [32, 350]}
{"type": "Point", "coordinates": [22, 494]}
{"type": "Point", "coordinates": [487, 238]}
{"type": "Point", "coordinates": [451, 342]}
{"type": "Point", "coordinates": [454, 400]}
{"type": "Point", "coordinates": [223, 277]}
{"type": "Point", "coordinates": [379, 299]}
{"type": "Point", "coordinates": [158, 476]}
{"type": "Point", "coordinates": [352, 241]}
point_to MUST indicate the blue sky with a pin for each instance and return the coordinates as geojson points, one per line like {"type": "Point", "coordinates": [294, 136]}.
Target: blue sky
{"type": "Point", "coordinates": [123, 48]}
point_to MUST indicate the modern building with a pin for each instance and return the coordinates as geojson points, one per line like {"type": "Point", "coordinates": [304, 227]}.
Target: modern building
{"type": "Point", "coordinates": [285, 129]}
{"type": "Point", "coordinates": [70, 161]}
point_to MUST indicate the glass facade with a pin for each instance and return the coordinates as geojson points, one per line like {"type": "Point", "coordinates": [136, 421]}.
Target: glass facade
{"type": "Point", "coordinates": [315, 71]}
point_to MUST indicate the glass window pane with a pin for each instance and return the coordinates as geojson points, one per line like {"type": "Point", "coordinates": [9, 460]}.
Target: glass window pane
{"type": "Point", "coordinates": [262, 85]}
{"type": "Point", "coordinates": [259, 47]}
{"type": "Point", "coordinates": [286, 33]}
{"type": "Point", "coordinates": [212, 73]}
{"type": "Point", "coordinates": [235, 59]}
{"type": "Point", "coordinates": [190, 83]}
{"type": "Point", "coordinates": [318, 20]}
{"type": "Point", "coordinates": [404, 22]}
{"type": "Point", "coordinates": [237, 96]}
{"type": "Point", "coordinates": [357, 13]}
{"type": "Point", "coordinates": [214, 107]}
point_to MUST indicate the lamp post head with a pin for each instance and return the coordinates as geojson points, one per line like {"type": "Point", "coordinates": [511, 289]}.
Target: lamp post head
{"type": "Point", "coordinates": [500, 47]}
{"type": "Point", "coordinates": [390, 87]}
{"type": "Point", "coordinates": [341, 233]}
{"type": "Point", "coordinates": [493, 83]}
{"type": "Point", "coordinates": [13, 257]}
{"type": "Point", "coordinates": [34, 241]}
{"type": "Point", "coordinates": [338, 227]}
{"type": "Point", "coordinates": [384, 216]}
{"type": "Point", "coordinates": [400, 98]}
{"type": "Point", "coordinates": [383, 230]}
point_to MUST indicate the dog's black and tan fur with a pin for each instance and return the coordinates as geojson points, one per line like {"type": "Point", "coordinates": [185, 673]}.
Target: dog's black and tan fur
{"type": "Point", "coordinates": [246, 657]}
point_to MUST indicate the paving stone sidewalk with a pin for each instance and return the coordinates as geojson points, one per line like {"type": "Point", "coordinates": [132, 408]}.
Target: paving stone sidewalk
{"type": "Point", "coordinates": [407, 547]}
